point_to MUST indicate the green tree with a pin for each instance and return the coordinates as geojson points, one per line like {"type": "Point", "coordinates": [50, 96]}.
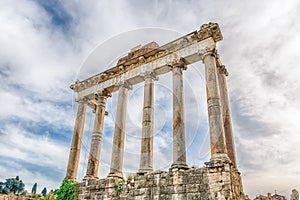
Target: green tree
{"type": "Point", "coordinates": [6, 190]}
{"type": "Point", "coordinates": [34, 188]}
{"type": "Point", "coordinates": [67, 191]}
{"type": "Point", "coordinates": [12, 185]}
{"type": "Point", "coordinates": [295, 195]}
{"type": "Point", "coordinates": [1, 186]}
{"type": "Point", "coordinates": [44, 191]}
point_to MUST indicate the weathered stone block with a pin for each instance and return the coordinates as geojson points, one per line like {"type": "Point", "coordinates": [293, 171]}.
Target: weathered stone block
{"type": "Point", "coordinates": [207, 183]}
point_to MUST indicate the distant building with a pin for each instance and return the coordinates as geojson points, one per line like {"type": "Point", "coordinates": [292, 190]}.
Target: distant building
{"type": "Point", "coordinates": [270, 197]}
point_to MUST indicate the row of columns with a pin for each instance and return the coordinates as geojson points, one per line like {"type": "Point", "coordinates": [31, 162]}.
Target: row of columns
{"type": "Point", "coordinates": [221, 137]}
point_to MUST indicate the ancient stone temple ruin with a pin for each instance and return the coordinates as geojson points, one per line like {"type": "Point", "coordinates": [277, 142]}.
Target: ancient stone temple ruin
{"type": "Point", "coordinates": [218, 179]}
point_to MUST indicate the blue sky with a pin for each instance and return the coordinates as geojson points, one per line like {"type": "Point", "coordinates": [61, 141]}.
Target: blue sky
{"type": "Point", "coordinates": [47, 45]}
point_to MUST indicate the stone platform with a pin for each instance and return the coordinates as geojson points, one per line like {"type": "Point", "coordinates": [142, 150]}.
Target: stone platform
{"type": "Point", "coordinates": [218, 180]}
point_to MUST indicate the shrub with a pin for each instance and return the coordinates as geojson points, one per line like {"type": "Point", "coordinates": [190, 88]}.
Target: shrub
{"type": "Point", "coordinates": [118, 187]}
{"type": "Point", "coordinates": [67, 191]}
{"type": "Point", "coordinates": [129, 178]}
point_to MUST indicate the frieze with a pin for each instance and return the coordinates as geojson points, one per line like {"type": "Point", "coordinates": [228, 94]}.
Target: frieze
{"type": "Point", "coordinates": [186, 46]}
{"type": "Point", "coordinates": [159, 65]}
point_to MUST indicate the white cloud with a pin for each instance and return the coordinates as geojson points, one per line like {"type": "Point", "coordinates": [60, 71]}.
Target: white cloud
{"type": "Point", "coordinates": [32, 148]}
{"type": "Point", "coordinates": [35, 158]}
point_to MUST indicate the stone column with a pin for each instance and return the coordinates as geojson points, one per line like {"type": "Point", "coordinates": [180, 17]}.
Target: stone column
{"type": "Point", "coordinates": [76, 140]}
{"type": "Point", "coordinates": [226, 114]}
{"type": "Point", "coordinates": [216, 126]}
{"type": "Point", "coordinates": [94, 156]}
{"type": "Point", "coordinates": [179, 143]}
{"type": "Point", "coordinates": [146, 159]}
{"type": "Point", "coordinates": [119, 133]}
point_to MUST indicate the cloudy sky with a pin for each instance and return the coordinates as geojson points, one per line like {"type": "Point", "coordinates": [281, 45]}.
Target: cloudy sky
{"type": "Point", "coordinates": [47, 45]}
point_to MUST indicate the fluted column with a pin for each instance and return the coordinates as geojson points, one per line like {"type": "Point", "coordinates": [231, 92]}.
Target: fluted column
{"type": "Point", "coordinates": [216, 126]}
{"type": "Point", "coordinates": [119, 133]}
{"type": "Point", "coordinates": [146, 159]}
{"type": "Point", "coordinates": [94, 156]}
{"type": "Point", "coordinates": [226, 113]}
{"type": "Point", "coordinates": [76, 140]}
{"type": "Point", "coordinates": [179, 143]}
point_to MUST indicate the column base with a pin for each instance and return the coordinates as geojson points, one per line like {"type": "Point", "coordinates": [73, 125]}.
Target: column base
{"type": "Point", "coordinates": [115, 175]}
{"type": "Point", "coordinates": [86, 177]}
{"type": "Point", "coordinates": [218, 159]}
{"type": "Point", "coordinates": [144, 171]}
{"type": "Point", "coordinates": [179, 166]}
{"type": "Point", "coordinates": [219, 156]}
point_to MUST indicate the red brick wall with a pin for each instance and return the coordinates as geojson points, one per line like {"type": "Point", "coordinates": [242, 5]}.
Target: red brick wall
{"type": "Point", "coordinates": [145, 49]}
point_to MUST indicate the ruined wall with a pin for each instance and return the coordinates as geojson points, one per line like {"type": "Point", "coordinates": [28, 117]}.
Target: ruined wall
{"type": "Point", "coordinates": [215, 181]}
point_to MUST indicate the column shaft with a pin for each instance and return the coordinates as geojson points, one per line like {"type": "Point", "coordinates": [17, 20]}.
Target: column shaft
{"type": "Point", "coordinates": [76, 141]}
{"type": "Point", "coordinates": [94, 156]}
{"type": "Point", "coordinates": [146, 160]}
{"type": "Point", "coordinates": [226, 114]}
{"type": "Point", "coordinates": [119, 134]}
{"type": "Point", "coordinates": [179, 143]}
{"type": "Point", "coordinates": [216, 128]}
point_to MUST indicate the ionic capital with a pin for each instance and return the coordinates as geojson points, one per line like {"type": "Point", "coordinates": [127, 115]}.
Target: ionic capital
{"type": "Point", "coordinates": [209, 52]}
{"type": "Point", "coordinates": [149, 75]}
{"type": "Point", "coordinates": [103, 93]}
{"type": "Point", "coordinates": [124, 84]}
{"type": "Point", "coordinates": [178, 64]}
{"type": "Point", "coordinates": [183, 67]}
{"type": "Point", "coordinates": [82, 100]}
{"type": "Point", "coordinates": [222, 70]}
{"type": "Point", "coordinates": [99, 100]}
